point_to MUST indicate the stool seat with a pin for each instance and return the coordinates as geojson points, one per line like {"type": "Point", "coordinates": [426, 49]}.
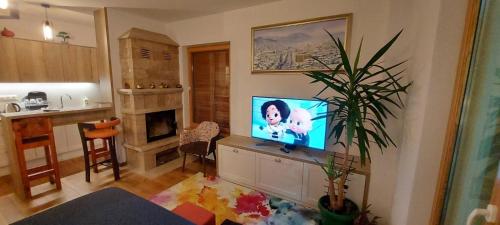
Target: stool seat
{"type": "Point", "coordinates": [101, 133]}
{"type": "Point", "coordinates": [195, 214]}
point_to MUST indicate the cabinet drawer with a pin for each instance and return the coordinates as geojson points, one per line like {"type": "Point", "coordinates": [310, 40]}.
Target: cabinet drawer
{"type": "Point", "coordinates": [236, 165]}
{"type": "Point", "coordinates": [279, 175]}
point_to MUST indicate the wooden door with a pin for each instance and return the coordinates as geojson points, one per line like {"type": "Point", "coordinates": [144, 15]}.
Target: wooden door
{"type": "Point", "coordinates": [8, 62]}
{"type": "Point", "coordinates": [202, 87]}
{"type": "Point", "coordinates": [30, 61]}
{"type": "Point", "coordinates": [210, 88]}
{"type": "Point", "coordinates": [53, 62]}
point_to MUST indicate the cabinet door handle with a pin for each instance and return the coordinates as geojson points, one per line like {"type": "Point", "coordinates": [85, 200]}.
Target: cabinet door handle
{"type": "Point", "coordinates": [277, 160]}
{"type": "Point", "coordinates": [235, 150]}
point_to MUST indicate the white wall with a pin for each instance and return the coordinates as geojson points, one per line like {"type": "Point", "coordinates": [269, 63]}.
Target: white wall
{"type": "Point", "coordinates": [435, 59]}
{"type": "Point", "coordinates": [79, 25]}
{"type": "Point", "coordinates": [370, 21]}
{"type": "Point", "coordinates": [403, 178]}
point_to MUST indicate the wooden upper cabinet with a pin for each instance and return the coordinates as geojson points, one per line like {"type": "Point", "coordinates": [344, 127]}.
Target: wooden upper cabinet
{"type": "Point", "coordinates": [53, 61]}
{"type": "Point", "coordinates": [77, 64]}
{"type": "Point", "coordinates": [93, 61]}
{"type": "Point", "coordinates": [37, 61]}
{"type": "Point", "coordinates": [8, 61]}
{"type": "Point", "coordinates": [30, 61]}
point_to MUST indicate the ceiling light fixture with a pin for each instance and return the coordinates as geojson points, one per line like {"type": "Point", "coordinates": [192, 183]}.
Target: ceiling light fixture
{"type": "Point", "coordinates": [48, 33]}
{"type": "Point", "coordinates": [4, 4]}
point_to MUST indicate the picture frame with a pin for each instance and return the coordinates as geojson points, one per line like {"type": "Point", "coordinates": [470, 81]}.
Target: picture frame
{"type": "Point", "coordinates": [289, 47]}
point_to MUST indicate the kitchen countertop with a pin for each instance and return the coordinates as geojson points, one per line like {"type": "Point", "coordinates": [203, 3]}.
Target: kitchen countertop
{"type": "Point", "coordinates": [64, 111]}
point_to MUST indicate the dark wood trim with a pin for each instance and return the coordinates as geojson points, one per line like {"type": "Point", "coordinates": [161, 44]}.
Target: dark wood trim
{"type": "Point", "coordinates": [218, 46]}
{"type": "Point", "coordinates": [471, 21]}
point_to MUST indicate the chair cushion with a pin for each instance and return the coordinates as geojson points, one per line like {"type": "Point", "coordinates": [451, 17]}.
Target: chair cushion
{"type": "Point", "coordinates": [197, 147]}
{"type": "Point", "coordinates": [195, 214]}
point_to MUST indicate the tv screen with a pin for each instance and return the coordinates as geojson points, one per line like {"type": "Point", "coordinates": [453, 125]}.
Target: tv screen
{"type": "Point", "coordinates": [289, 121]}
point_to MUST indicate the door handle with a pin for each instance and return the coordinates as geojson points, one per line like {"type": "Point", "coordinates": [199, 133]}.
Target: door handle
{"type": "Point", "coordinates": [490, 214]}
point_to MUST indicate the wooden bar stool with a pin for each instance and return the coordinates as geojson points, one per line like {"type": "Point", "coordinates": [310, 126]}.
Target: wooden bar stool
{"type": "Point", "coordinates": [31, 133]}
{"type": "Point", "coordinates": [105, 131]}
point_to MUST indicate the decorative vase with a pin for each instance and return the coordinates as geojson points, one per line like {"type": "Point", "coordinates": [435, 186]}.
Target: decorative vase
{"type": "Point", "coordinates": [7, 33]}
{"type": "Point", "coordinates": [334, 218]}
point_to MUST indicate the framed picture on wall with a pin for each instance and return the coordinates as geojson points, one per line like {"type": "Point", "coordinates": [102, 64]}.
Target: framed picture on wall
{"type": "Point", "coordinates": [291, 47]}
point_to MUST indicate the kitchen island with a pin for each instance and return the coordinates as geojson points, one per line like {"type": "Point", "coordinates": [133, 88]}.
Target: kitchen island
{"type": "Point", "coordinates": [65, 116]}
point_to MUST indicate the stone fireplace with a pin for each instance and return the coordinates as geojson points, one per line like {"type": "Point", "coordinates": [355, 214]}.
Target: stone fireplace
{"type": "Point", "coordinates": [151, 102]}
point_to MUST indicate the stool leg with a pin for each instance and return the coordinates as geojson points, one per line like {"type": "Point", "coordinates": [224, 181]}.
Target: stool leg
{"type": "Point", "coordinates": [93, 156]}
{"type": "Point", "coordinates": [87, 161]}
{"type": "Point", "coordinates": [49, 162]}
{"type": "Point", "coordinates": [23, 169]}
{"type": "Point", "coordinates": [55, 163]}
{"type": "Point", "coordinates": [114, 159]}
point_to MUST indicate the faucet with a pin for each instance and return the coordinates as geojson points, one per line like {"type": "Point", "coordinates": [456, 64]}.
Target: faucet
{"type": "Point", "coordinates": [61, 98]}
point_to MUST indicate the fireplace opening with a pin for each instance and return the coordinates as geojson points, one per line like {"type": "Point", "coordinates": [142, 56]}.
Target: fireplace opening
{"type": "Point", "coordinates": [160, 125]}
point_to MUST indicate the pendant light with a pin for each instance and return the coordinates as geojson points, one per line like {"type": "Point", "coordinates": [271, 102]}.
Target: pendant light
{"type": "Point", "coordinates": [4, 4]}
{"type": "Point", "coordinates": [48, 33]}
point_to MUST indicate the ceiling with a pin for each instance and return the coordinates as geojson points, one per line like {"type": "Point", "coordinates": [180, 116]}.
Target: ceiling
{"type": "Point", "coordinates": [163, 10]}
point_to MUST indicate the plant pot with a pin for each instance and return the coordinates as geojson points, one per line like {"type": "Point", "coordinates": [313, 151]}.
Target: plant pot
{"type": "Point", "coordinates": [337, 218]}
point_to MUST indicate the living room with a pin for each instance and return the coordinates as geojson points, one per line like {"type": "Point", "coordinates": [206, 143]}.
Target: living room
{"type": "Point", "coordinates": [166, 79]}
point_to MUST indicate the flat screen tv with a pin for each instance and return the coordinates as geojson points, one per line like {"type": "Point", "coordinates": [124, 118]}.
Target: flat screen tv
{"type": "Point", "coordinates": [290, 121]}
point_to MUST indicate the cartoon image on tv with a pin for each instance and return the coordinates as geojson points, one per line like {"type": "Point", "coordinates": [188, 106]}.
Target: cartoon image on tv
{"type": "Point", "coordinates": [275, 113]}
{"type": "Point", "coordinates": [299, 126]}
{"type": "Point", "coordinates": [296, 122]}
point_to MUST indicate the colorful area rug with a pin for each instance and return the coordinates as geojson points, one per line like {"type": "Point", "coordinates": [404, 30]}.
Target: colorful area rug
{"type": "Point", "coordinates": [239, 204]}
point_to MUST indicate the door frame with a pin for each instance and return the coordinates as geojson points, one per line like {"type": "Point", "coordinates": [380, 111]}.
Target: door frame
{"type": "Point", "coordinates": [208, 47]}
{"type": "Point", "coordinates": [471, 22]}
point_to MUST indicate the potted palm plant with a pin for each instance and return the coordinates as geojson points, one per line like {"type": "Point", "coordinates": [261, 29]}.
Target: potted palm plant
{"type": "Point", "coordinates": [366, 95]}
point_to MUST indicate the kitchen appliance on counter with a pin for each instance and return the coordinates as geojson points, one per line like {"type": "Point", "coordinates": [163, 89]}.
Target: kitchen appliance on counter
{"type": "Point", "coordinates": [35, 100]}
{"type": "Point", "coordinates": [8, 103]}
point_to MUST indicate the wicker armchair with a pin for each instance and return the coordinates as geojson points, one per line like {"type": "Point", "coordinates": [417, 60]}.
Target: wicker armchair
{"type": "Point", "coordinates": [198, 141]}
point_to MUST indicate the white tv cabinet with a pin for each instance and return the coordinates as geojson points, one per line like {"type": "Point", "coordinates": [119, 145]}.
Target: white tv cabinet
{"type": "Point", "coordinates": [295, 176]}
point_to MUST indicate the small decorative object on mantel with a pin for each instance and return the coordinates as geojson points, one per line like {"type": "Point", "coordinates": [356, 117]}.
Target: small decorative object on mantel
{"type": "Point", "coordinates": [139, 86]}
{"type": "Point", "coordinates": [163, 85]}
{"type": "Point", "coordinates": [178, 86]}
{"type": "Point", "coordinates": [64, 36]}
{"type": "Point", "coordinates": [152, 86]}
{"type": "Point", "coordinates": [126, 85]}
{"type": "Point", "coordinates": [7, 33]}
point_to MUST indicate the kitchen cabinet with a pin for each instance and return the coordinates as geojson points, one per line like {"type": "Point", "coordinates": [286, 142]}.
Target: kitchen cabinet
{"type": "Point", "coordinates": [95, 70]}
{"type": "Point", "coordinates": [314, 184]}
{"type": "Point", "coordinates": [32, 61]}
{"type": "Point", "coordinates": [279, 175]}
{"type": "Point", "coordinates": [77, 63]}
{"type": "Point", "coordinates": [53, 61]}
{"type": "Point", "coordinates": [8, 61]}
{"type": "Point", "coordinates": [236, 165]}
